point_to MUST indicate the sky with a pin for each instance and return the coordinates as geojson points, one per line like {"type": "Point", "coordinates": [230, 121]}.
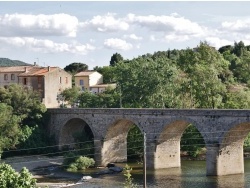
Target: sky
{"type": "Point", "coordinates": [57, 33]}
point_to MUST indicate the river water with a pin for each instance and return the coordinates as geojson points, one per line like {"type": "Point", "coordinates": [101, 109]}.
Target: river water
{"type": "Point", "coordinates": [192, 174]}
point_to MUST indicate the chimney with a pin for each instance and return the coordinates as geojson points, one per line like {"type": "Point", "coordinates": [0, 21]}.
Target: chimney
{"type": "Point", "coordinates": [48, 68]}
{"type": "Point", "coordinates": [25, 69]}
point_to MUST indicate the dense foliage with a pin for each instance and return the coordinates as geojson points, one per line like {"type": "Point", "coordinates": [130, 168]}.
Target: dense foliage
{"type": "Point", "coordinates": [9, 178]}
{"type": "Point", "coordinates": [76, 67]}
{"type": "Point", "coordinates": [74, 162]}
{"type": "Point", "coordinates": [23, 119]}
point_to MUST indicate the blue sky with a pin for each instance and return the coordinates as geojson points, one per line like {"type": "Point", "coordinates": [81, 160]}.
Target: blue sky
{"type": "Point", "coordinates": [59, 33]}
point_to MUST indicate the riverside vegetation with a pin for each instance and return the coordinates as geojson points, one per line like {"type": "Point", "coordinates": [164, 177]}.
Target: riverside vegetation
{"type": "Point", "coordinates": [189, 78]}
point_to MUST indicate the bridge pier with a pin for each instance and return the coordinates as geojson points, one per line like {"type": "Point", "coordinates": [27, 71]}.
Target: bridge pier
{"type": "Point", "coordinates": [224, 160]}
{"type": "Point", "coordinates": [98, 152]}
{"type": "Point", "coordinates": [167, 155]}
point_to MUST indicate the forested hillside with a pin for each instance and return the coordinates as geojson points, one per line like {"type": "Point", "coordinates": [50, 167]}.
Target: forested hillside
{"type": "Point", "coordinates": [189, 78]}
{"type": "Point", "coordinates": [5, 62]}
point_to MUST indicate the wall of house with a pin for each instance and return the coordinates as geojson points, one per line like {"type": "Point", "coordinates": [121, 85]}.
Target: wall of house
{"type": "Point", "coordinates": [54, 84]}
{"type": "Point", "coordinates": [85, 81]}
{"type": "Point", "coordinates": [95, 78]}
{"type": "Point", "coordinates": [9, 81]}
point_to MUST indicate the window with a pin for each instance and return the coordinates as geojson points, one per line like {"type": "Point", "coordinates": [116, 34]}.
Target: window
{"type": "Point", "coordinates": [39, 80]}
{"type": "Point", "coordinates": [5, 76]}
{"type": "Point", "coordinates": [60, 79]}
{"type": "Point", "coordinates": [12, 76]}
{"type": "Point", "coordinates": [66, 80]}
{"type": "Point", "coordinates": [81, 82]}
{"type": "Point", "coordinates": [24, 81]}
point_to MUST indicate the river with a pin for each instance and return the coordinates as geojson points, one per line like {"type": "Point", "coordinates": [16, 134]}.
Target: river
{"type": "Point", "coordinates": [192, 174]}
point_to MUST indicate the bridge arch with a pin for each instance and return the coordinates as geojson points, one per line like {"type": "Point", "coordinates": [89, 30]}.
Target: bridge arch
{"type": "Point", "coordinates": [167, 152]}
{"type": "Point", "coordinates": [71, 127]}
{"type": "Point", "coordinates": [115, 141]}
{"type": "Point", "coordinates": [230, 150]}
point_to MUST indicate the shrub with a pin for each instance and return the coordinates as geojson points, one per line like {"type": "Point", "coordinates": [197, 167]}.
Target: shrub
{"type": "Point", "coordinates": [77, 163]}
{"type": "Point", "coordinates": [9, 178]}
{"type": "Point", "coordinates": [128, 178]}
{"type": "Point", "coordinates": [84, 162]}
{"type": "Point", "coordinates": [69, 158]}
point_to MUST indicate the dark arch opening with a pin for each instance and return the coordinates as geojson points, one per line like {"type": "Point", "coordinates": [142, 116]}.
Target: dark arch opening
{"type": "Point", "coordinates": [192, 142]}
{"type": "Point", "coordinates": [77, 136]}
{"type": "Point", "coordinates": [134, 144]}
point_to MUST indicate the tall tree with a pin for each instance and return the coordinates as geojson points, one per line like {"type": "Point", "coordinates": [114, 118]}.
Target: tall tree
{"type": "Point", "coordinates": [76, 67]}
{"type": "Point", "coordinates": [28, 109]}
{"type": "Point", "coordinates": [9, 128]}
{"type": "Point", "coordinates": [145, 83]}
{"type": "Point", "coordinates": [115, 58]}
{"type": "Point", "coordinates": [207, 70]}
{"type": "Point", "coordinates": [107, 73]}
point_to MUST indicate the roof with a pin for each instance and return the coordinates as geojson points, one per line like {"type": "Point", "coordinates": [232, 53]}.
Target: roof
{"type": "Point", "coordinates": [38, 71]}
{"type": "Point", "coordinates": [85, 73]}
{"type": "Point", "coordinates": [15, 69]}
{"type": "Point", "coordinates": [103, 85]}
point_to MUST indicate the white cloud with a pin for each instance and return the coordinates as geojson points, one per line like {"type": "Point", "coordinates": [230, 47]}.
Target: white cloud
{"type": "Point", "coordinates": [46, 46]}
{"type": "Point", "coordinates": [133, 37]}
{"type": "Point", "coordinates": [241, 26]}
{"type": "Point", "coordinates": [177, 38]}
{"type": "Point", "coordinates": [106, 23]}
{"type": "Point", "coordinates": [117, 44]}
{"type": "Point", "coordinates": [217, 42]}
{"type": "Point", "coordinates": [168, 24]}
{"type": "Point", "coordinates": [152, 38]}
{"type": "Point", "coordinates": [38, 25]}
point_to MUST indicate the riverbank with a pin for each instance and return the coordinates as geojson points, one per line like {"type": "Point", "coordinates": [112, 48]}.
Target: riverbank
{"type": "Point", "coordinates": [49, 172]}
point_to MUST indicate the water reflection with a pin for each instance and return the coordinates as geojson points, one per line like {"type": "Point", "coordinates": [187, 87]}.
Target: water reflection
{"type": "Point", "coordinates": [192, 174]}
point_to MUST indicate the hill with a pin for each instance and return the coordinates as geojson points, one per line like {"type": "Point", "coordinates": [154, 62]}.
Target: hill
{"type": "Point", "coordinates": [5, 62]}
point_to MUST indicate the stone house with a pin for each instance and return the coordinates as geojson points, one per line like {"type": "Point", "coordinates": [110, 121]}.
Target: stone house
{"type": "Point", "coordinates": [48, 81]}
{"type": "Point", "coordinates": [91, 81]}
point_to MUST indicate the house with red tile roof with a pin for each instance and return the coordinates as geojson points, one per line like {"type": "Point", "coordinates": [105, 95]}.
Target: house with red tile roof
{"type": "Point", "coordinates": [48, 81]}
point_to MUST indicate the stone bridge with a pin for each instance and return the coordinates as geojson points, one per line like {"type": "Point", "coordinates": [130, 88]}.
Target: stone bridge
{"type": "Point", "coordinates": [223, 131]}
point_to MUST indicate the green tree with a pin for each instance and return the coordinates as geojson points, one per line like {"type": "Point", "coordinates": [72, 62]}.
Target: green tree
{"type": "Point", "coordinates": [28, 110]}
{"type": "Point", "coordinates": [238, 48]}
{"type": "Point", "coordinates": [242, 70]}
{"type": "Point", "coordinates": [146, 83]}
{"type": "Point", "coordinates": [107, 99]}
{"type": "Point", "coordinates": [115, 58]}
{"type": "Point", "coordinates": [9, 128]}
{"type": "Point", "coordinates": [76, 67]}
{"type": "Point", "coordinates": [9, 178]}
{"type": "Point", "coordinates": [108, 73]}
{"type": "Point", "coordinates": [208, 71]}
{"type": "Point", "coordinates": [27, 103]}
{"type": "Point", "coordinates": [71, 95]}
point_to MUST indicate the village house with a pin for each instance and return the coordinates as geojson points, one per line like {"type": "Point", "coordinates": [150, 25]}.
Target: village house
{"type": "Point", "coordinates": [48, 81]}
{"type": "Point", "coordinates": [91, 81]}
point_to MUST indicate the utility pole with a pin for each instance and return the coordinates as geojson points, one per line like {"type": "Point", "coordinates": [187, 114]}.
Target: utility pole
{"type": "Point", "coordinates": [144, 163]}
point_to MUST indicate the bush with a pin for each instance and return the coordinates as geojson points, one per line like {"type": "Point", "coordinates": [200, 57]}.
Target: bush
{"type": "Point", "coordinates": [69, 158]}
{"type": "Point", "coordinates": [84, 162]}
{"type": "Point", "coordinates": [128, 178]}
{"type": "Point", "coordinates": [9, 178]}
{"type": "Point", "coordinates": [75, 163]}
